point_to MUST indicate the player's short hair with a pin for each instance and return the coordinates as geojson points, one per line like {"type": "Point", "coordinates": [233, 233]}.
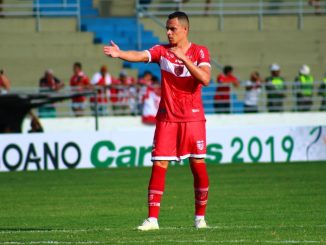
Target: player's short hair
{"type": "Point", "coordinates": [181, 16]}
{"type": "Point", "coordinates": [78, 64]}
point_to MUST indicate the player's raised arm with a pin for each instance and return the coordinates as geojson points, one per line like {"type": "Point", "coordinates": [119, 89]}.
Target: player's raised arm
{"type": "Point", "coordinates": [114, 51]}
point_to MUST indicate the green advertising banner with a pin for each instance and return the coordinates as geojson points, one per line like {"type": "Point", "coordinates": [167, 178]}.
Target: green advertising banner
{"type": "Point", "coordinates": [132, 147]}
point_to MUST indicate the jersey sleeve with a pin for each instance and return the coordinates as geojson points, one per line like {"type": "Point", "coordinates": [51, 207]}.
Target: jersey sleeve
{"type": "Point", "coordinates": [154, 54]}
{"type": "Point", "coordinates": [203, 57]}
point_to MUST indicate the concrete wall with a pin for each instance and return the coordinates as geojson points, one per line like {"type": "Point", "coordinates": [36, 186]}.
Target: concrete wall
{"type": "Point", "coordinates": [87, 124]}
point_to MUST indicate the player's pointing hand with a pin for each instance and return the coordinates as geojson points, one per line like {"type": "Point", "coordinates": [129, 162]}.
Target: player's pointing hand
{"type": "Point", "coordinates": [112, 50]}
{"type": "Point", "coordinates": [178, 53]}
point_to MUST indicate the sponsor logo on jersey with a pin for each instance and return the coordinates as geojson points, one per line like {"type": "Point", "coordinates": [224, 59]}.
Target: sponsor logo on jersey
{"type": "Point", "coordinates": [178, 70]}
{"type": "Point", "coordinates": [195, 110]}
{"type": "Point", "coordinates": [200, 145]}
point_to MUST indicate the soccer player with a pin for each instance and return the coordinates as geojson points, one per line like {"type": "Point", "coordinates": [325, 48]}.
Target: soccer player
{"type": "Point", "coordinates": [180, 129]}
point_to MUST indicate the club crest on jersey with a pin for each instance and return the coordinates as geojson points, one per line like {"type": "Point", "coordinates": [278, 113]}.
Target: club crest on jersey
{"type": "Point", "coordinates": [200, 145]}
{"type": "Point", "coordinates": [150, 197]}
{"type": "Point", "coordinates": [178, 70]}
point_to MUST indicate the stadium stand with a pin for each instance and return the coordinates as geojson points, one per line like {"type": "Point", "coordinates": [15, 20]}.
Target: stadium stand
{"type": "Point", "coordinates": [236, 39]}
{"type": "Point", "coordinates": [240, 38]}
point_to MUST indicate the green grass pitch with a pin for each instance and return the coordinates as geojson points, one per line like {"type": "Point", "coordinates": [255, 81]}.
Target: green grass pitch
{"type": "Point", "coordinates": [248, 204]}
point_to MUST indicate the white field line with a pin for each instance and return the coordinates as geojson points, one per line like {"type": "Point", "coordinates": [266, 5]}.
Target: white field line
{"type": "Point", "coordinates": [15, 231]}
{"type": "Point", "coordinates": [217, 227]}
{"type": "Point", "coordinates": [248, 227]}
{"type": "Point", "coordinates": [168, 241]}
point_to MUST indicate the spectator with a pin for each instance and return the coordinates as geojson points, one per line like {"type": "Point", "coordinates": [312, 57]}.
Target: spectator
{"type": "Point", "coordinates": [4, 83]}
{"type": "Point", "coordinates": [143, 83]}
{"type": "Point", "coordinates": [151, 100]}
{"type": "Point", "coordinates": [304, 88]}
{"type": "Point", "coordinates": [322, 92]}
{"type": "Point", "coordinates": [316, 4]}
{"type": "Point", "coordinates": [48, 84]}
{"type": "Point", "coordinates": [36, 126]}
{"type": "Point", "coordinates": [123, 94]}
{"type": "Point", "coordinates": [79, 82]}
{"type": "Point", "coordinates": [222, 97]}
{"type": "Point", "coordinates": [253, 89]}
{"type": "Point", "coordinates": [275, 89]}
{"type": "Point", "coordinates": [207, 6]}
{"type": "Point", "coordinates": [146, 79]}
{"type": "Point", "coordinates": [101, 80]}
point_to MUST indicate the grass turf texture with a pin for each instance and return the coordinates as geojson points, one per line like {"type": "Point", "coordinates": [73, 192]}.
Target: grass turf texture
{"type": "Point", "coordinates": [248, 204]}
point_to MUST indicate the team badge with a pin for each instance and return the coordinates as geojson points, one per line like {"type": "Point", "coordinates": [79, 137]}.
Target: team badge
{"type": "Point", "coordinates": [178, 70]}
{"type": "Point", "coordinates": [200, 145]}
{"type": "Point", "coordinates": [150, 197]}
{"type": "Point", "coordinates": [201, 195]}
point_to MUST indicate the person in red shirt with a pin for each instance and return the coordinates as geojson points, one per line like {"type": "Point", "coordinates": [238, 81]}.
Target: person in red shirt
{"type": "Point", "coordinates": [180, 129]}
{"type": "Point", "coordinates": [79, 82]}
{"type": "Point", "coordinates": [122, 94]}
{"type": "Point", "coordinates": [225, 81]}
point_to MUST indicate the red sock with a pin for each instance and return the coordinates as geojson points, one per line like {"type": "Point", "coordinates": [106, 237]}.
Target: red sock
{"type": "Point", "coordinates": [155, 190]}
{"type": "Point", "coordinates": [201, 183]}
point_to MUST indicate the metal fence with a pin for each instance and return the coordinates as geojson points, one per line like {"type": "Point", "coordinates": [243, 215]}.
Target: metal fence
{"type": "Point", "coordinates": [128, 100]}
{"type": "Point", "coordinates": [39, 11]}
{"type": "Point", "coordinates": [222, 8]}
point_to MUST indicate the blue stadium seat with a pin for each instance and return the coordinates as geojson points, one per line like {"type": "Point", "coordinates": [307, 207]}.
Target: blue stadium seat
{"type": "Point", "coordinates": [237, 105]}
{"type": "Point", "coordinates": [123, 31]}
{"type": "Point", "coordinates": [142, 67]}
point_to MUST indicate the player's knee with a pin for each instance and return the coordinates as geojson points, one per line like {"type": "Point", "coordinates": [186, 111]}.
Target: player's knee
{"type": "Point", "coordinates": [162, 164]}
{"type": "Point", "coordinates": [196, 160]}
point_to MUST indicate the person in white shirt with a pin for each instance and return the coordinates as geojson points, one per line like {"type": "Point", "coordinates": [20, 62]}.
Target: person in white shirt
{"type": "Point", "coordinates": [253, 89]}
{"type": "Point", "coordinates": [100, 81]}
{"type": "Point", "coordinates": [151, 101]}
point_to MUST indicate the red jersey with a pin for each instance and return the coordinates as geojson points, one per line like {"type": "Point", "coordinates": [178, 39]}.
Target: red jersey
{"type": "Point", "coordinates": [181, 93]}
{"type": "Point", "coordinates": [224, 88]}
{"type": "Point", "coordinates": [79, 82]}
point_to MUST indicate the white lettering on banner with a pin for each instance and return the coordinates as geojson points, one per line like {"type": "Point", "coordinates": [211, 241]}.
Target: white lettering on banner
{"type": "Point", "coordinates": [131, 148]}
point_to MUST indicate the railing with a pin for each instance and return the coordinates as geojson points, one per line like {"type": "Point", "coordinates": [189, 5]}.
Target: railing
{"type": "Point", "coordinates": [39, 11]}
{"type": "Point", "coordinates": [127, 100]}
{"type": "Point", "coordinates": [222, 8]}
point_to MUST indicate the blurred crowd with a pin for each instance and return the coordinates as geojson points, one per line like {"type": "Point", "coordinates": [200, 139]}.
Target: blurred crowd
{"type": "Point", "coordinates": [122, 95]}
{"type": "Point", "coordinates": [276, 88]}
{"type": "Point", "coordinates": [126, 95]}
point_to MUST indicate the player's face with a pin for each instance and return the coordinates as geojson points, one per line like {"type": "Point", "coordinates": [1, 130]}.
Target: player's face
{"type": "Point", "coordinates": [176, 31]}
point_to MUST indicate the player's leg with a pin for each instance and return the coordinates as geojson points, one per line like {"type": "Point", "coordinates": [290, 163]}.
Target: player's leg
{"type": "Point", "coordinates": [201, 185]}
{"type": "Point", "coordinates": [156, 188]}
{"type": "Point", "coordinates": [193, 144]}
{"type": "Point", "coordinates": [164, 150]}
{"type": "Point", "coordinates": [155, 191]}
